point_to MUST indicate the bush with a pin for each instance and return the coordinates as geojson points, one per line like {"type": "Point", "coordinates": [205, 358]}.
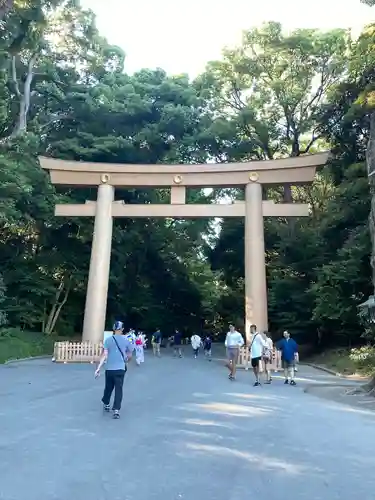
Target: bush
{"type": "Point", "coordinates": [364, 358]}
{"type": "Point", "coordinates": [18, 344]}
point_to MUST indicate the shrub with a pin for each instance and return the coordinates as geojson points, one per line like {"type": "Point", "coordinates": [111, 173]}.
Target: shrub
{"type": "Point", "coordinates": [364, 358]}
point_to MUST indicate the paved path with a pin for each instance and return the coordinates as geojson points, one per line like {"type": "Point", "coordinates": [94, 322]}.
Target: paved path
{"type": "Point", "coordinates": [186, 432]}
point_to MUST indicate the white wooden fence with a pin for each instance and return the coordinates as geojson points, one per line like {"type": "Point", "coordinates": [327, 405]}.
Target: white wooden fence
{"type": "Point", "coordinates": [245, 362]}
{"type": "Point", "coordinates": [77, 352]}
{"type": "Point", "coordinates": [86, 352]}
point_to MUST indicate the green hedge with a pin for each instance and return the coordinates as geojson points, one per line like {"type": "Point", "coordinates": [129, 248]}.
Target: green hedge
{"type": "Point", "coordinates": [18, 344]}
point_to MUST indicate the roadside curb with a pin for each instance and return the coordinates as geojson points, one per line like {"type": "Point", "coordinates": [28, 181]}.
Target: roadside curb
{"type": "Point", "coordinates": [10, 361]}
{"type": "Point", "coordinates": [324, 369]}
{"type": "Point", "coordinates": [352, 378]}
{"type": "Point", "coordinates": [311, 387]}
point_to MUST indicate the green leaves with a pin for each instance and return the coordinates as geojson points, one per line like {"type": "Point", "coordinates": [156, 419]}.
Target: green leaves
{"type": "Point", "coordinates": [286, 95]}
{"type": "Point", "coordinates": [275, 95]}
{"type": "Point", "coordinates": [274, 85]}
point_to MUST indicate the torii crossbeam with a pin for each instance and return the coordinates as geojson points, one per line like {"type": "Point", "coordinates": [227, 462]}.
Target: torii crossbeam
{"type": "Point", "coordinates": [252, 175]}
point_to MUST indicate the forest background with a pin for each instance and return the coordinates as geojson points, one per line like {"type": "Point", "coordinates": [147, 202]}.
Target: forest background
{"type": "Point", "coordinates": [64, 92]}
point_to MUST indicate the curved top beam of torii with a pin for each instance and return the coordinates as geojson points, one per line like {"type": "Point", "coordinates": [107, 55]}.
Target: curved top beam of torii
{"type": "Point", "coordinates": [295, 170]}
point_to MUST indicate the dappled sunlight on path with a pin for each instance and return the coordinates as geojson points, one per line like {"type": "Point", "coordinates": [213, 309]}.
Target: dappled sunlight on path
{"type": "Point", "coordinates": [254, 460]}
{"type": "Point", "coordinates": [194, 435]}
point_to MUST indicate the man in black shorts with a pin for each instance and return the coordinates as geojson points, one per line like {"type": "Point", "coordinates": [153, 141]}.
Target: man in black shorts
{"type": "Point", "coordinates": [257, 345]}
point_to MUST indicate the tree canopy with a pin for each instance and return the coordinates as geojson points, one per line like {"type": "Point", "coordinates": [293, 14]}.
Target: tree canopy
{"type": "Point", "coordinates": [65, 93]}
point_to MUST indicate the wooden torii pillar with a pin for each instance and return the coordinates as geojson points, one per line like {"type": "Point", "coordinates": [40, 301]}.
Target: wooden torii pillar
{"type": "Point", "coordinates": [251, 175]}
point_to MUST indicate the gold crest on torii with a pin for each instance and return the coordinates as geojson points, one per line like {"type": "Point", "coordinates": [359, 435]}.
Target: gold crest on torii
{"type": "Point", "coordinates": [251, 175]}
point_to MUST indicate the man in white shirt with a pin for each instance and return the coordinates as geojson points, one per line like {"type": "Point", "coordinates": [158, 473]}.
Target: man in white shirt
{"type": "Point", "coordinates": [196, 342]}
{"type": "Point", "coordinates": [257, 345]}
{"type": "Point", "coordinates": [233, 342]}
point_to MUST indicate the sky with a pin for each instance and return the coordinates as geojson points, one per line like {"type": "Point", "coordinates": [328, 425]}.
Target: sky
{"type": "Point", "coordinates": [181, 37]}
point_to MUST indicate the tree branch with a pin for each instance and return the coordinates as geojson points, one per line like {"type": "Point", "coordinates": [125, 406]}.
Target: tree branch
{"type": "Point", "coordinates": [14, 77]}
{"type": "Point", "coordinates": [28, 82]}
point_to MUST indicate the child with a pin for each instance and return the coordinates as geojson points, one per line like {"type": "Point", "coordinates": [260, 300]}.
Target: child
{"type": "Point", "coordinates": [207, 344]}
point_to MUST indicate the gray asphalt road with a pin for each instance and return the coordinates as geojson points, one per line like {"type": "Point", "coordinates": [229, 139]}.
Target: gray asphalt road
{"type": "Point", "coordinates": [186, 432]}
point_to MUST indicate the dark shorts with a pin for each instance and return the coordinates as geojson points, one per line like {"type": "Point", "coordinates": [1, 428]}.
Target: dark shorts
{"type": "Point", "coordinates": [287, 364]}
{"type": "Point", "coordinates": [255, 362]}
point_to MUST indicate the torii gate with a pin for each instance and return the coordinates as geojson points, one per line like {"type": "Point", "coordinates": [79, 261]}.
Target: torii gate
{"type": "Point", "coordinates": [298, 170]}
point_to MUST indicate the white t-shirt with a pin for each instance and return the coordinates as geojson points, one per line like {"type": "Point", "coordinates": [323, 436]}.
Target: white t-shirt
{"type": "Point", "coordinates": [234, 339]}
{"type": "Point", "coordinates": [196, 341]}
{"type": "Point", "coordinates": [257, 346]}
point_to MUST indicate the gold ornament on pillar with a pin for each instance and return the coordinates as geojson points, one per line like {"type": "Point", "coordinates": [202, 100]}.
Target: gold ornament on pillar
{"type": "Point", "coordinates": [104, 178]}
{"type": "Point", "coordinates": [253, 176]}
{"type": "Point", "coordinates": [177, 179]}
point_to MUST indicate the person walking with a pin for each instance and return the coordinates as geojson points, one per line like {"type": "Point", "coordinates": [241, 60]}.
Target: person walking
{"type": "Point", "coordinates": [139, 349]}
{"type": "Point", "coordinates": [233, 342]}
{"type": "Point", "coordinates": [289, 350]}
{"type": "Point", "coordinates": [257, 345]}
{"type": "Point", "coordinates": [177, 340]}
{"type": "Point", "coordinates": [196, 342]}
{"type": "Point", "coordinates": [207, 346]}
{"type": "Point", "coordinates": [117, 350]}
{"type": "Point", "coordinates": [131, 336]}
{"type": "Point", "coordinates": [267, 357]}
{"type": "Point", "coordinates": [156, 342]}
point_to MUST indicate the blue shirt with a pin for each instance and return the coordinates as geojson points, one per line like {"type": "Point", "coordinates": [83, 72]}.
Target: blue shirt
{"type": "Point", "coordinates": [207, 343]}
{"type": "Point", "coordinates": [115, 360]}
{"type": "Point", "coordinates": [288, 348]}
{"type": "Point", "coordinates": [157, 337]}
{"type": "Point", "coordinates": [177, 338]}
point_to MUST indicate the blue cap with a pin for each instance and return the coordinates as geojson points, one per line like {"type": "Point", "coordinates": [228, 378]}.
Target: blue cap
{"type": "Point", "coordinates": [118, 325]}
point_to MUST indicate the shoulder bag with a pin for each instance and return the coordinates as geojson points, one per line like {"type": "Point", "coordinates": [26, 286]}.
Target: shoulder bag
{"type": "Point", "coordinates": [118, 347]}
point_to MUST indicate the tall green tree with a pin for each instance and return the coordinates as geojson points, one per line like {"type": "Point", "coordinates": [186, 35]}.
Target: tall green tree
{"type": "Point", "coordinates": [268, 93]}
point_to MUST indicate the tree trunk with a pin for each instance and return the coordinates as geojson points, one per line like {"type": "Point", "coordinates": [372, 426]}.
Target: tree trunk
{"type": "Point", "coordinates": [51, 315]}
{"type": "Point", "coordinates": [57, 306]}
{"type": "Point", "coordinates": [370, 157]}
{"type": "Point", "coordinates": [370, 160]}
{"type": "Point", "coordinates": [24, 97]}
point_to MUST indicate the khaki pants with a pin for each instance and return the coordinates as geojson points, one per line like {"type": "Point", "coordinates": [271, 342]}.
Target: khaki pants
{"type": "Point", "coordinates": [156, 349]}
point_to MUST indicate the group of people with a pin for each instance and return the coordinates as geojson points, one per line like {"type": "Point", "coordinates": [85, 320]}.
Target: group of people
{"type": "Point", "coordinates": [139, 340]}
{"type": "Point", "coordinates": [176, 340]}
{"type": "Point", "coordinates": [261, 350]}
{"type": "Point", "coordinates": [119, 347]}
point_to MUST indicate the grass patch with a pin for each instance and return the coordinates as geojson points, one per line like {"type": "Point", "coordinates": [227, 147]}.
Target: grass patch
{"type": "Point", "coordinates": [339, 360]}
{"type": "Point", "coordinates": [18, 344]}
